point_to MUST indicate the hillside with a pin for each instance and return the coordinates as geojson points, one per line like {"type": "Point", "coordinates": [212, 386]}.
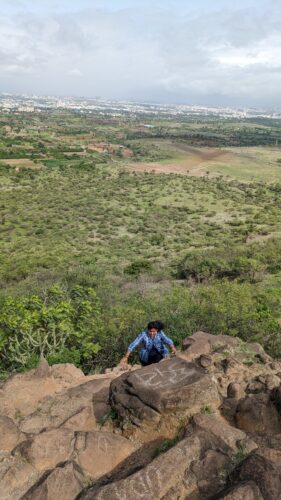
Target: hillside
{"type": "Point", "coordinates": [177, 218]}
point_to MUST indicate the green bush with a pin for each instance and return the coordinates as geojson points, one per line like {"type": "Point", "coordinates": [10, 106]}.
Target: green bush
{"type": "Point", "coordinates": [61, 325]}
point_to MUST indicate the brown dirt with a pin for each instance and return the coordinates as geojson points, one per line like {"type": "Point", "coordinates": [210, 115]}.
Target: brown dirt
{"type": "Point", "coordinates": [23, 163]}
{"type": "Point", "coordinates": [193, 165]}
{"type": "Point", "coordinates": [77, 153]}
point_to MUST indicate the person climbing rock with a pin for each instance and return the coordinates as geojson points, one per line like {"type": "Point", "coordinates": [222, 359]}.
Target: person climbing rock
{"type": "Point", "coordinates": [154, 345]}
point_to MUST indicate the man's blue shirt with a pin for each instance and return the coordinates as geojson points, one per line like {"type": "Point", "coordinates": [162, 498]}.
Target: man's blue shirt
{"type": "Point", "coordinates": [159, 343]}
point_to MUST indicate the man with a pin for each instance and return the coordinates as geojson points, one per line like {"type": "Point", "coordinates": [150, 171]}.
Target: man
{"type": "Point", "coordinates": [154, 345]}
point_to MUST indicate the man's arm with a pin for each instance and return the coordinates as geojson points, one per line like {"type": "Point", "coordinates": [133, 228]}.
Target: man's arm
{"type": "Point", "coordinates": [169, 342]}
{"type": "Point", "coordinates": [131, 347]}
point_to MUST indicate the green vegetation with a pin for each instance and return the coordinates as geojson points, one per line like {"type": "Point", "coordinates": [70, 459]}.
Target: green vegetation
{"type": "Point", "coordinates": [92, 249]}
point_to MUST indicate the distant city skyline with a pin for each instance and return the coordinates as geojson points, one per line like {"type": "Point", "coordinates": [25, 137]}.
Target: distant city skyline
{"type": "Point", "coordinates": [213, 54]}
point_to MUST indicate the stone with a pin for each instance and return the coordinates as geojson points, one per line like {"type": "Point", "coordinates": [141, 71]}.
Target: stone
{"type": "Point", "coordinates": [255, 387]}
{"type": "Point", "coordinates": [65, 481]}
{"type": "Point", "coordinates": [205, 361]}
{"type": "Point", "coordinates": [271, 382]}
{"type": "Point", "coordinates": [43, 369]}
{"type": "Point", "coordinates": [235, 391]}
{"type": "Point", "coordinates": [215, 433]}
{"type": "Point", "coordinates": [228, 410]}
{"type": "Point", "coordinates": [165, 473]}
{"type": "Point", "coordinates": [231, 366]}
{"type": "Point", "coordinates": [16, 477]}
{"type": "Point", "coordinates": [98, 453]}
{"type": "Point", "coordinates": [204, 343]}
{"type": "Point", "coordinates": [256, 413]}
{"type": "Point", "coordinates": [67, 373]}
{"type": "Point", "coordinates": [208, 472]}
{"type": "Point", "coordinates": [172, 385]}
{"type": "Point", "coordinates": [21, 393]}
{"type": "Point", "coordinates": [73, 407]}
{"type": "Point", "coordinates": [10, 434]}
{"type": "Point", "coordinates": [264, 468]}
{"type": "Point", "coordinates": [46, 450]}
{"type": "Point", "coordinates": [246, 491]}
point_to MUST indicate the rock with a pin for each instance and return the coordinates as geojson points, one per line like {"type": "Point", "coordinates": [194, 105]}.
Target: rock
{"type": "Point", "coordinates": [203, 343]}
{"type": "Point", "coordinates": [16, 477]}
{"type": "Point", "coordinates": [245, 491]}
{"type": "Point", "coordinates": [10, 434]}
{"type": "Point", "coordinates": [43, 369]}
{"type": "Point", "coordinates": [271, 382]}
{"type": "Point", "coordinates": [21, 393]}
{"type": "Point", "coordinates": [231, 366]}
{"type": "Point", "coordinates": [205, 361]}
{"type": "Point", "coordinates": [172, 385]}
{"type": "Point", "coordinates": [208, 472]}
{"type": "Point", "coordinates": [98, 453]}
{"type": "Point", "coordinates": [167, 472]}
{"type": "Point", "coordinates": [73, 408]}
{"type": "Point", "coordinates": [46, 450]}
{"type": "Point", "coordinates": [256, 413]}
{"type": "Point", "coordinates": [255, 387]}
{"type": "Point", "coordinates": [67, 373]}
{"type": "Point", "coordinates": [264, 468]}
{"type": "Point", "coordinates": [65, 481]}
{"type": "Point", "coordinates": [228, 410]}
{"type": "Point", "coordinates": [235, 391]}
{"type": "Point", "coordinates": [215, 433]}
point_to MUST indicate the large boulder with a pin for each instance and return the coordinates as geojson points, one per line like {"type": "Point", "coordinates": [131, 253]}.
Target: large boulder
{"type": "Point", "coordinates": [22, 392]}
{"type": "Point", "coordinates": [65, 481]}
{"type": "Point", "coordinates": [74, 408]}
{"type": "Point", "coordinates": [171, 386]}
{"type": "Point", "coordinates": [97, 453]}
{"type": "Point", "coordinates": [215, 432]}
{"type": "Point", "coordinates": [204, 343]}
{"type": "Point", "coordinates": [257, 414]}
{"type": "Point", "coordinates": [196, 467]}
{"type": "Point", "coordinates": [245, 491]}
{"type": "Point", "coordinates": [264, 468]}
{"type": "Point", "coordinates": [157, 479]}
{"type": "Point", "coordinates": [47, 449]}
{"type": "Point", "coordinates": [16, 477]}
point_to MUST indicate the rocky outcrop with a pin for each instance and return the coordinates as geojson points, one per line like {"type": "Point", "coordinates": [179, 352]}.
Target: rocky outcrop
{"type": "Point", "coordinates": [203, 425]}
{"type": "Point", "coordinates": [173, 386]}
{"type": "Point", "coordinates": [52, 438]}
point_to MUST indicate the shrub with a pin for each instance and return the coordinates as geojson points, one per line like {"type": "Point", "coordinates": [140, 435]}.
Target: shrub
{"type": "Point", "coordinates": [60, 325]}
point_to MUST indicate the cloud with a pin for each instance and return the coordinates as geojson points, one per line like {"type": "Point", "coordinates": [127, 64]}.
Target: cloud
{"type": "Point", "coordinates": [75, 72]}
{"type": "Point", "coordinates": [210, 56]}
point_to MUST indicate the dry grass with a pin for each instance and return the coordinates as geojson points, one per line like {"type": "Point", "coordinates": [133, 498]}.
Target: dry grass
{"type": "Point", "coordinates": [22, 163]}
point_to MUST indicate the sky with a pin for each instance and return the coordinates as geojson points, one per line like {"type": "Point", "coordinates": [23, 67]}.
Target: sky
{"type": "Point", "coordinates": [171, 51]}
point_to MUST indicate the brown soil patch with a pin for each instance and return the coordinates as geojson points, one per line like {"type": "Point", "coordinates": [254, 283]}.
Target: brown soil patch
{"type": "Point", "coordinates": [193, 165]}
{"type": "Point", "coordinates": [22, 163]}
{"type": "Point", "coordinates": [76, 153]}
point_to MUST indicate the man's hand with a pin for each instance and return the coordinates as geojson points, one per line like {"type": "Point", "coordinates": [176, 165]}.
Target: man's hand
{"type": "Point", "coordinates": [124, 360]}
{"type": "Point", "coordinates": [174, 350]}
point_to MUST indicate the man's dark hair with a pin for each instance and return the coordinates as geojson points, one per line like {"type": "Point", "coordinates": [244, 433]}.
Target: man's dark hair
{"type": "Point", "coordinates": [158, 325]}
{"type": "Point", "coordinates": [161, 325]}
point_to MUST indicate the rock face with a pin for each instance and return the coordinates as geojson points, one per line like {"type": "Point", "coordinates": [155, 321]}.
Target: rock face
{"type": "Point", "coordinates": [203, 425]}
{"type": "Point", "coordinates": [51, 442]}
{"type": "Point", "coordinates": [172, 386]}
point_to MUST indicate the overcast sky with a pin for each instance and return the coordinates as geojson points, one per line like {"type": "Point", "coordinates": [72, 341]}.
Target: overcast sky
{"type": "Point", "coordinates": [214, 52]}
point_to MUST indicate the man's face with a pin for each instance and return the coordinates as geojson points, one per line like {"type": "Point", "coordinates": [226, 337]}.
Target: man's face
{"type": "Point", "coordinates": [152, 332]}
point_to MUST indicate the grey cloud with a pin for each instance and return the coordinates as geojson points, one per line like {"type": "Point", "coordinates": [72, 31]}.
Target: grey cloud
{"type": "Point", "coordinates": [148, 54]}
